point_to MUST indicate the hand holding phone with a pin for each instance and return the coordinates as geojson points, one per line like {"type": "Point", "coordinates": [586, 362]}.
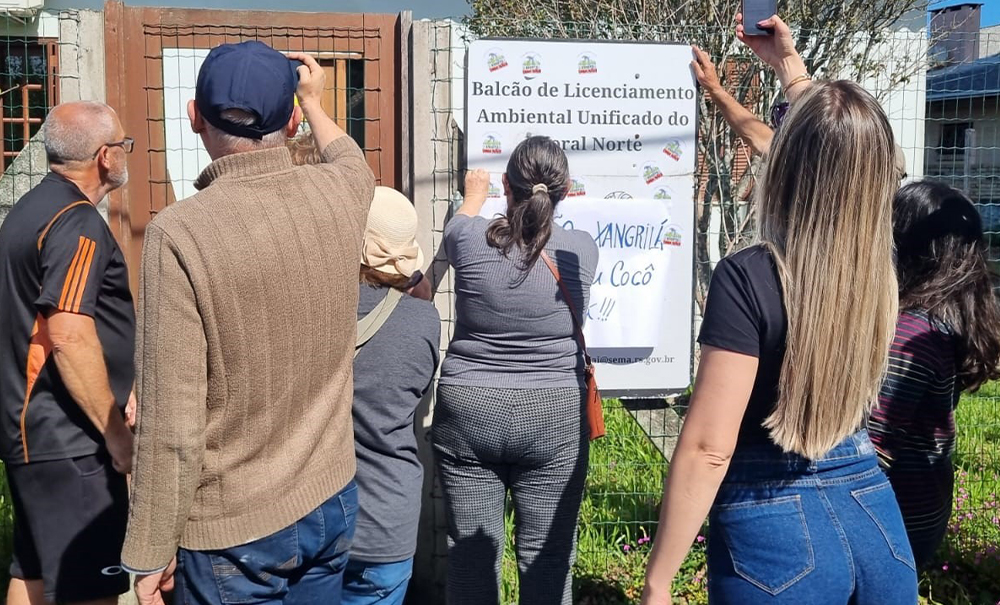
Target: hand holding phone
{"type": "Point", "coordinates": [755, 11]}
{"type": "Point", "coordinates": [777, 50]}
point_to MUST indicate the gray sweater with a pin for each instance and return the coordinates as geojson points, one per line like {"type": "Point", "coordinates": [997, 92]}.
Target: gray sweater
{"type": "Point", "coordinates": [514, 330]}
{"type": "Point", "coordinates": [391, 374]}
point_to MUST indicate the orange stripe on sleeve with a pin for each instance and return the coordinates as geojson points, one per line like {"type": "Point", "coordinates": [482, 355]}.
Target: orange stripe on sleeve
{"type": "Point", "coordinates": [82, 253]}
{"type": "Point", "coordinates": [73, 266]}
{"type": "Point", "coordinates": [88, 261]}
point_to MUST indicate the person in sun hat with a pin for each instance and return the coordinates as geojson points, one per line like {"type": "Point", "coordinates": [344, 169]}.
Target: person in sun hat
{"type": "Point", "coordinates": [244, 466]}
{"type": "Point", "coordinates": [395, 360]}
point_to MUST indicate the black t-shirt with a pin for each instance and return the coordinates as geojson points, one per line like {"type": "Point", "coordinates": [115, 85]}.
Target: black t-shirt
{"type": "Point", "coordinates": [57, 254]}
{"type": "Point", "coordinates": [745, 313]}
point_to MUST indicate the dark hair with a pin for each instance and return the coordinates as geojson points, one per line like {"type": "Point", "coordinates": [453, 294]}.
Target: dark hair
{"type": "Point", "coordinates": [528, 222]}
{"type": "Point", "coordinates": [373, 277]}
{"type": "Point", "coordinates": [941, 259]}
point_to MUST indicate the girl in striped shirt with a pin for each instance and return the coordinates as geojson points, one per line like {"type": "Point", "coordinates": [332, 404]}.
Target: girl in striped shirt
{"type": "Point", "coordinates": [947, 341]}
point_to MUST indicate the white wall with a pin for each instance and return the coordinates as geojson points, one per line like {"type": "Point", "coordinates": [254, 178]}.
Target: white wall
{"type": "Point", "coordinates": [904, 55]}
{"type": "Point", "coordinates": [989, 41]}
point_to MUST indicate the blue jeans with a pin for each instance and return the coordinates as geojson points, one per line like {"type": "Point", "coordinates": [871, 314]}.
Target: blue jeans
{"type": "Point", "coordinates": [376, 583]}
{"type": "Point", "coordinates": [303, 563]}
{"type": "Point", "coordinates": [785, 529]}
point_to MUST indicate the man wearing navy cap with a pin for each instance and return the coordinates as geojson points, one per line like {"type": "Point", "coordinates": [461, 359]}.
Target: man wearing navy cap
{"type": "Point", "coordinates": [244, 471]}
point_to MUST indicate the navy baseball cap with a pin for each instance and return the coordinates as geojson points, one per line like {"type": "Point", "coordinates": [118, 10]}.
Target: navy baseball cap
{"type": "Point", "coordinates": [250, 76]}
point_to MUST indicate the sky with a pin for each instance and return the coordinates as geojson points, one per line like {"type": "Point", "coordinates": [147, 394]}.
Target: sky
{"type": "Point", "coordinates": [422, 9]}
{"type": "Point", "coordinates": [991, 10]}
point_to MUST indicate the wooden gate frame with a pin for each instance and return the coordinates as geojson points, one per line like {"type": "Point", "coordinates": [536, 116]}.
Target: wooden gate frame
{"type": "Point", "coordinates": [127, 47]}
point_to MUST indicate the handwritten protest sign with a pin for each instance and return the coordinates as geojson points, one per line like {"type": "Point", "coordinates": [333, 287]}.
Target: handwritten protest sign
{"type": "Point", "coordinates": [625, 115]}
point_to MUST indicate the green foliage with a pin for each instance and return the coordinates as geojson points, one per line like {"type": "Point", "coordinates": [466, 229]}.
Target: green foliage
{"type": "Point", "coordinates": [6, 531]}
{"type": "Point", "coordinates": [967, 571]}
{"type": "Point", "coordinates": [620, 508]}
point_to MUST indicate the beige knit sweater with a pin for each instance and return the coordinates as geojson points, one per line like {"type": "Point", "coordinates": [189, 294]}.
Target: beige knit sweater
{"type": "Point", "coordinates": [247, 312]}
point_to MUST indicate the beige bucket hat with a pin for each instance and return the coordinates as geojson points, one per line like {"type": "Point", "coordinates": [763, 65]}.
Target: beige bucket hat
{"type": "Point", "coordinates": [390, 244]}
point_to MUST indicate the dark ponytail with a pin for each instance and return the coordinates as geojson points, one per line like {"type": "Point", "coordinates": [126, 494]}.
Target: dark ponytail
{"type": "Point", "coordinates": [943, 270]}
{"type": "Point", "coordinates": [538, 179]}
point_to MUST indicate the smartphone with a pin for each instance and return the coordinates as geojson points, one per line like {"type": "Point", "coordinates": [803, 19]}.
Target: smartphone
{"type": "Point", "coordinates": [755, 11]}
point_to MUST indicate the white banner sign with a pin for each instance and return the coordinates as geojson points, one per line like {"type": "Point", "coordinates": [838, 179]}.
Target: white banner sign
{"type": "Point", "coordinates": [626, 115]}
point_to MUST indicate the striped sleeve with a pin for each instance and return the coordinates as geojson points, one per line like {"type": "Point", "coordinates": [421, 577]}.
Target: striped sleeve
{"type": "Point", "coordinates": [73, 256]}
{"type": "Point", "coordinates": [915, 400]}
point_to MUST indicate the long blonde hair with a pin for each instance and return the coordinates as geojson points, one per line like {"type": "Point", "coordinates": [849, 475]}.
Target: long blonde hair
{"type": "Point", "coordinates": [826, 215]}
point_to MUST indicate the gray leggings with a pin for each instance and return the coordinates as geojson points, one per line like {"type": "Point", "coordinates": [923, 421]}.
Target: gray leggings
{"type": "Point", "coordinates": [534, 443]}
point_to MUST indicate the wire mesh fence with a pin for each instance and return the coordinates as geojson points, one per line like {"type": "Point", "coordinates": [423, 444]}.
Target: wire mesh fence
{"type": "Point", "coordinates": [42, 62]}
{"type": "Point", "coordinates": [950, 140]}
{"type": "Point", "coordinates": [945, 110]}
{"type": "Point", "coordinates": [173, 54]}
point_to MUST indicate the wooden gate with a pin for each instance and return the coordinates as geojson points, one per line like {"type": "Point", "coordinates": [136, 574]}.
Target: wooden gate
{"type": "Point", "coordinates": [152, 58]}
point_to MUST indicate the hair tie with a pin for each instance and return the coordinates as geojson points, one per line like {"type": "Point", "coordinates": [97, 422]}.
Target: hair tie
{"type": "Point", "coordinates": [540, 187]}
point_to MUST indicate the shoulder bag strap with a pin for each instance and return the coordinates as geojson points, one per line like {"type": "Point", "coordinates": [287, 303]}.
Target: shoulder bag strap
{"type": "Point", "coordinates": [572, 308]}
{"type": "Point", "coordinates": [371, 323]}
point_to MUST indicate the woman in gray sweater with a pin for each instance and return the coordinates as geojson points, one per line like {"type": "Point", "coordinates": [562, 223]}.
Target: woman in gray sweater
{"type": "Point", "coordinates": [510, 410]}
{"type": "Point", "coordinates": [394, 362]}
{"type": "Point", "coordinates": [393, 368]}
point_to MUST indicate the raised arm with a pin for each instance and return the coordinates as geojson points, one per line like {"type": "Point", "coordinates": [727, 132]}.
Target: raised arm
{"type": "Point", "coordinates": [477, 188]}
{"type": "Point", "coordinates": [778, 51]}
{"type": "Point", "coordinates": [746, 125]}
{"type": "Point", "coordinates": [342, 159]}
{"type": "Point", "coordinates": [312, 79]}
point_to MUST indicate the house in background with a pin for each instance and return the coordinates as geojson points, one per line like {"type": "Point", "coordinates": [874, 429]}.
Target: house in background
{"type": "Point", "coordinates": [963, 107]}
{"type": "Point", "coordinates": [989, 41]}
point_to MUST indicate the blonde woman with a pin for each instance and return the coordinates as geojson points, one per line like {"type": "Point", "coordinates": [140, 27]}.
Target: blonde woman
{"type": "Point", "coordinates": [794, 342]}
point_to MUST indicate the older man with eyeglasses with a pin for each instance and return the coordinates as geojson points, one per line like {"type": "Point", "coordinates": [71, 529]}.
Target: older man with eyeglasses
{"type": "Point", "coordinates": [67, 332]}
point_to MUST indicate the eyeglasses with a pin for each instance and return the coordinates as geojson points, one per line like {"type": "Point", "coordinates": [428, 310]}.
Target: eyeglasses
{"type": "Point", "coordinates": [127, 144]}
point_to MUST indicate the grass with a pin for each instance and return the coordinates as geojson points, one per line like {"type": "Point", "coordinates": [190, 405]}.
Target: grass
{"type": "Point", "coordinates": [620, 508]}
{"type": "Point", "coordinates": [968, 570]}
{"type": "Point", "coordinates": [6, 531]}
